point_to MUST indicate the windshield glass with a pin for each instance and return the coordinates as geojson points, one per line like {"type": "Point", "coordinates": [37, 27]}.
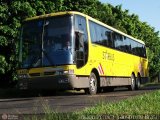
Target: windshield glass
{"type": "Point", "coordinates": [46, 42]}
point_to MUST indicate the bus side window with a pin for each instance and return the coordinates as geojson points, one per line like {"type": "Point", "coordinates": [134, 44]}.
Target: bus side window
{"type": "Point", "coordinates": [144, 52]}
{"type": "Point", "coordinates": [118, 39]}
{"type": "Point", "coordinates": [127, 44]}
{"type": "Point", "coordinates": [108, 33]}
{"type": "Point", "coordinates": [134, 46]}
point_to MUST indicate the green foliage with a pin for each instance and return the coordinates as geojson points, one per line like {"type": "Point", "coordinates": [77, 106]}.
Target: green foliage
{"type": "Point", "coordinates": [13, 12]}
{"type": "Point", "coordinates": [3, 64]}
{"type": "Point", "coordinates": [147, 104]}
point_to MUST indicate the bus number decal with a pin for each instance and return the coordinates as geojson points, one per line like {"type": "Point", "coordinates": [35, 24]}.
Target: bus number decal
{"type": "Point", "coordinates": [108, 56]}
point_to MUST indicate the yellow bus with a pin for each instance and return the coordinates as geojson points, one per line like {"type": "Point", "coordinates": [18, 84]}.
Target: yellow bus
{"type": "Point", "coordinates": [71, 50]}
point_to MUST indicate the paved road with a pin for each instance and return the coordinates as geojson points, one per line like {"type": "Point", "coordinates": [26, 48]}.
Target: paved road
{"type": "Point", "coordinates": [65, 102]}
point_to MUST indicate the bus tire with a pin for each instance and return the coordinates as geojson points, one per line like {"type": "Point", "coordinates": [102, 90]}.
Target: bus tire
{"type": "Point", "coordinates": [92, 84]}
{"type": "Point", "coordinates": [86, 90]}
{"type": "Point", "coordinates": [133, 80]}
{"type": "Point", "coordinates": [138, 82]}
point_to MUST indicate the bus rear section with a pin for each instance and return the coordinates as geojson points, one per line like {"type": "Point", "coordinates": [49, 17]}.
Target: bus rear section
{"type": "Point", "coordinates": [119, 59]}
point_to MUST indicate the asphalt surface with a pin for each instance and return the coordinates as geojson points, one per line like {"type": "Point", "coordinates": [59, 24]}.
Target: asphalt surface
{"type": "Point", "coordinates": [65, 101]}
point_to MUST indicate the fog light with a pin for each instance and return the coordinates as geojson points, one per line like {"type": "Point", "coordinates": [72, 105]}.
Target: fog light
{"type": "Point", "coordinates": [22, 76]}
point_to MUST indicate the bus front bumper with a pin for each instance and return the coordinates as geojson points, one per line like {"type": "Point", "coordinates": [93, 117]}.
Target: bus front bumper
{"type": "Point", "coordinates": [59, 82]}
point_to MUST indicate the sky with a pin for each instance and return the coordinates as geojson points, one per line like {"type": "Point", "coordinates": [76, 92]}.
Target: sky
{"type": "Point", "coordinates": [147, 10]}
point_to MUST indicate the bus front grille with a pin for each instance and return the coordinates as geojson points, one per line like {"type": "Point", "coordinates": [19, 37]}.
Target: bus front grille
{"type": "Point", "coordinates": [34, 74]}
{"type": "Point", "coordinates": [49, 73]}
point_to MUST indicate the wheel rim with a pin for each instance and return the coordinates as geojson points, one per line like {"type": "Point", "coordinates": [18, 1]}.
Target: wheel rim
{"type": "Point", "coordinates": [92, 84]}
{"type": "Point", "coordinates": [138, 82]}
{"type": "Point", "coordinates": [133, 82]}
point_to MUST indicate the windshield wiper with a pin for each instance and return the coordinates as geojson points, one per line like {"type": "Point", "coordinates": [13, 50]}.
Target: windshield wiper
{"type": "Point", "coordinates": [48, 57]}
{"type": "Point", "coordinates": [35, 61]}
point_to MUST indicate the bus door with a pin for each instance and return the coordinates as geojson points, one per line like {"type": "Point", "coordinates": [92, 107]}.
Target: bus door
{"type": "Point", "coordinates": [81, 41]}
{"type": "Point", "coordinates": [79, 47]}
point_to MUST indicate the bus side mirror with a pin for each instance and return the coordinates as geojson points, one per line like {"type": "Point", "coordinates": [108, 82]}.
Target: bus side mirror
{"type": "Point", "coordinates": [79, 40]}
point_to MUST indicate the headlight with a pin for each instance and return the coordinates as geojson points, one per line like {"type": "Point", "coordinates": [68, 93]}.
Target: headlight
{"type": "Point", "coordinates": [70, 71]}
{"type": "Point", "coordinates": [65, 72]}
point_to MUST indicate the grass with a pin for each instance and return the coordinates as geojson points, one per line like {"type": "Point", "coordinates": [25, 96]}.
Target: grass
{"type": "Point", "coordinates": [53, 115]}
{"type": "Point", "coordinates": [144, 105]}
{"type": "Point", "coordinates": [151, 84]}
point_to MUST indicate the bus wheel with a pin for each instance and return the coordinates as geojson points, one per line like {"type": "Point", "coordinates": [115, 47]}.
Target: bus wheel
{"type": "Point", "coordinates": [133, 80]}
{"type": "Point", "coordinates": [92, 84]}
{"type": "Point", "coordinates": [138, 83]}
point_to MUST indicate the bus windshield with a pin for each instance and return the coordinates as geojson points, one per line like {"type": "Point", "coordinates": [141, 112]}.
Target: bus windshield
{"type": "Point", "coordinates": [46, 42]}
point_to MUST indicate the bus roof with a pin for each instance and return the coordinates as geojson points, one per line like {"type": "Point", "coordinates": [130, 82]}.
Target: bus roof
{"type": "Point", "coordinates": [88, 17]}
